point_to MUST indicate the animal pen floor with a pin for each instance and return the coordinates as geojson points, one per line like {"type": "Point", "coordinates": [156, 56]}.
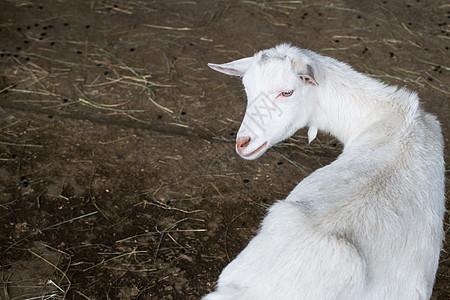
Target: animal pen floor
{"type": "Point", "coordinates": [118, 174]}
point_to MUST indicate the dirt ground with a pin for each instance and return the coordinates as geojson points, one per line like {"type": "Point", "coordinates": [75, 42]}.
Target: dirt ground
{"type": "Point", "coordinates": [118, 174]}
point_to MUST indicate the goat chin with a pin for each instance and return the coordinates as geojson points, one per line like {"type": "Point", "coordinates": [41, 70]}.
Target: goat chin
{"type": "Point", "coordinates": [369, 225]}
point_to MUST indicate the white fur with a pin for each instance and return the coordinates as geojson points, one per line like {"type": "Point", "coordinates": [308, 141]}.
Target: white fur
{"type": "Point", "coordinates": [367, 226]}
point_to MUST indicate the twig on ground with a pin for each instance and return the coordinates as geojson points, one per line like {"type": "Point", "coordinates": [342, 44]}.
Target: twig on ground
{"type": "Point", "coordinates": [21, 145]}
{"type": "Point", "coordinates": [169, 27]}
{"type": "Point", "coordinates": [100, 106]}
{"type": "Point", "coordinates": [58, 269]}
{"type": "Point", "coordinates": [50, 227]}
{"type": "Point", "coordinates": [292, 162]}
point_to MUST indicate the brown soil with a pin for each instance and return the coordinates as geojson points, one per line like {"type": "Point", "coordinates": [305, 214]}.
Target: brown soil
{"type": "Point", "coordinates": [118, 174]}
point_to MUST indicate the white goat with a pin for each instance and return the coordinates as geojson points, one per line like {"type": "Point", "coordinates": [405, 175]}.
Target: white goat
{"type": "Point", "coordinates": [367, 226]}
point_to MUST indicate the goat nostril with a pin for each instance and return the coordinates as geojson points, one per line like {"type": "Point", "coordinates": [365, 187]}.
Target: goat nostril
{"type": "Point", "coordinates": [242, 143]}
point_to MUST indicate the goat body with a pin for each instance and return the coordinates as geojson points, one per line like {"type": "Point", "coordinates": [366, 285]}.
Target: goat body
{"type": "Point", "coordinates": [367, 226]}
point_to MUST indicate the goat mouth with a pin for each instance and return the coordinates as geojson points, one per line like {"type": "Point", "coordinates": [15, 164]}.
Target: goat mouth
{"type": "Point", "coordinates": [257, 150]}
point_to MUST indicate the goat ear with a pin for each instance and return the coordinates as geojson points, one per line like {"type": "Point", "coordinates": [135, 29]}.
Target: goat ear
{"type": "Point", "coordinates": [312, 133]}
{"type": "Point", "coordinates": [307, 75]}
{"type": "Point", "coordinates": [234, 68]}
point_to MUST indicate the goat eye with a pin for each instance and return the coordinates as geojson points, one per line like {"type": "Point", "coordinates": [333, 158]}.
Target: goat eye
{"type": "Point", "coordinates": [287, 93]}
